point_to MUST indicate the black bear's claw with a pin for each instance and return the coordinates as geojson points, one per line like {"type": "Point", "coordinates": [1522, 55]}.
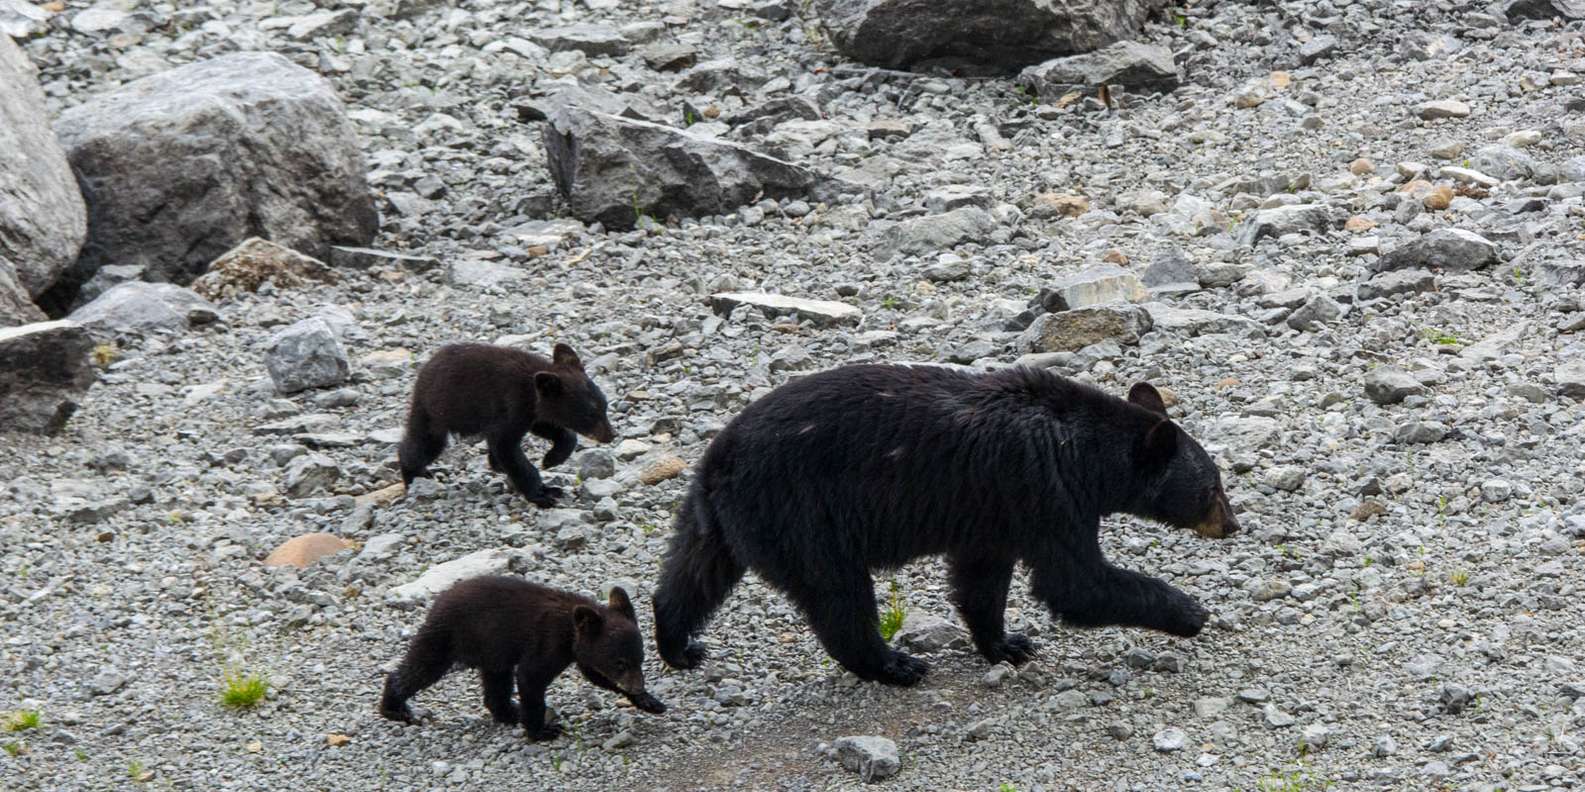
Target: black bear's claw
{"type": "Point", "coordinates": [1015, 648]}
{"type": "Point", "coordinates": [902, 670]}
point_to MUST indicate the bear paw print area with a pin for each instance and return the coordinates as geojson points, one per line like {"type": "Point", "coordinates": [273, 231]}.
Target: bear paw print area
{"type": "Point", "coordinates": [758, 394]}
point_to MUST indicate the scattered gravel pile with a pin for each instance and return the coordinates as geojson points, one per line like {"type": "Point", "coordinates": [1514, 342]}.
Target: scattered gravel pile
{"type": "Point", "coordinates": [1349, 242]}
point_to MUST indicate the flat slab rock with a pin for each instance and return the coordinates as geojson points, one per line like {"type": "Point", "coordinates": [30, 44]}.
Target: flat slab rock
{"type": "Point", "coordinates": [1128, 64]}
{"type": "Point", "coordinates": [492, 561]}
{"type": "Point", "coordinates": [1008, 33]}
{"type": "Point", "coordinates": [817, 311]}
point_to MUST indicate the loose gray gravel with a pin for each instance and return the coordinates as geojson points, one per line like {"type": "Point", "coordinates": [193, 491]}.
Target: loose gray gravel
{"type": "Point", "coordinates": [1397, 406]}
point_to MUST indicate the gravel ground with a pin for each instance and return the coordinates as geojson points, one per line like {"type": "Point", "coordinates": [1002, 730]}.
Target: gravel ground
{"type": "Point", "coordinates": [1401, 611]}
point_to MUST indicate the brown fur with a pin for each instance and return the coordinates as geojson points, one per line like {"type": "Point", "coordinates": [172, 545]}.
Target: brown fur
{"type": "Point", "coordinates": [503, 394]}
{"type": "Point", "coordinates": [509, 628]}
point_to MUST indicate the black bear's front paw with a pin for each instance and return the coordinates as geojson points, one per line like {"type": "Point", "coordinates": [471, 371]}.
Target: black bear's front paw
{"type": "Point", "coordinates": [1015, 648]}
{"type": "Point", "coordinates": [555, 456]}
{"type": "Point", "coordinates": [547, 496]}
{"type": "Point", "coordinates": [399, 713]}
{"type": "Point", "coordinates": [902, 670]}
{"type": "Point", "coordinates": [647, 703]}
{"type": "Point", "coordinates": [691, 656]}
{"type": "Point", "coordinates": [1186, 618]}
{"type": "Point", "coordinates": [510, 713]}
{"type": "Point", "coordinates": [543, 733]}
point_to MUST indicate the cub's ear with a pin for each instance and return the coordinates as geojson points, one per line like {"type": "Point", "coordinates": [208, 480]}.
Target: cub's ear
{"type": "Point", "coordinates": [1160, 444]}
{"type": "Point", "coordinates": [587, 621]}
{"type": "Point", "coordinates": [1145, 395]}
{"type": "Point", "coordinates": [563, 355]}
{"type": "Point", "coordinates": [619, 602]}
{"type": "Point", "coordinates": [548, 384]}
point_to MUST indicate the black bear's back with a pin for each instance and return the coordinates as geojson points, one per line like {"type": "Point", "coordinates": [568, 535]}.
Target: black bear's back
{"type": "Point", "coordinates": [493, 621]}
{"type": "Point", "coordinates": [888, 463]}
{"type": "Point", "coordinates": [470, 388]}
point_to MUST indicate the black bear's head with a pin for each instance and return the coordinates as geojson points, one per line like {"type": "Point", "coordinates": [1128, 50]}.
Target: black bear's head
{"type": "Point", "coordinates": [568, 398]}
{"type": "Point", "coordinates": [1180, 484]}
{"type": "Point", "coordinates": [609, 649]}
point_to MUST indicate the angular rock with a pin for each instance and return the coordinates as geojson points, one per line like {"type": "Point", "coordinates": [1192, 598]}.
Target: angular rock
{"type": "Point", "coordinates": [438, 578]}
{"type": "Point", "coordinates": [21, 19]}
{"type": "Point", "coordinates": [143, 308]}
{"type": "Point", "coordinates": [45, 368]}
{"type": "Point", "coordinates": [43, 221]}
{"type": "Point", "coordinates": [1093, 286]}
{"type": "Point", "coordinates": [482, 274]}
{"type": "Point", "coordinates": [588, 97]}
{"type": "Point", "coordinates": [1196, 322]}
{"type": "Point", "coordinates": [1298, 218]}
{"type": "Point", "coordinates": [1322, 46]}
{"type": "Point", "coordinates": [1560, 273]}
{"type": "Point", "coordinates": [1389, 385]}
{"type": "Point", "coordinates": [1496, 345]}
{"type": "Point", "coordinates": [180, 167]}
{"type": "Point", "coordinates": [1169, 740]}
{"type": "Point", "coordinates": [1070, 331]}
{"type": "Point", "coordinates": [821, 312]}
{"type": "Point", "coordinates": [310, 474]}
{"type": "Point", "coordinates": [1171, 268]}
{"type": "Point", "coordinates": [306, 355]}
{"type": "Point", "coordinates": [933, 233]}
{"type": "Point", "coordinates": [1128, 64]}
{"type": "Point", "coordinates": [247, 266]}
{"type": "Point", "coordinates": [16, 305]}
{"type": "Point", "coordinates": [1388, 284]}
{"type": "Point", "coordinates": [1008, 33]}
{"type": "Point", "coordinates": [1444, 248]}
{"type": "Point", "coordinates": [1316, 312]}
{"type": "Point", "coordinates": [1443, 108]}
{"type": "Point", "coordinates": [1570, 379]}
{"type": "Point", "coordinates": [300, 551]}
{"type": "Point", "coordinates": [924, 633]}
{"type": "Point", "coordinates": [592, 40]}
{"type": "Point", "coordinates": [873, 758]}
{"type": "Point", "coordinates": [1503, 162]}
{"type": "Point", "coordinates": [1545, 9]}
{"type": "Point", "coordinates": [612, 170]}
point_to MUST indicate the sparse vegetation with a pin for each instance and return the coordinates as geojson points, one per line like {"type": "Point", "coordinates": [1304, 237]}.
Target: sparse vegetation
{"type": "Point", "coordinates": [104, 355]}
{"type": "Point", "coordinates": [1459, 577]}
{"type": "Point", "coordinates": [243, 691]}
{"type": "Point", "coordinates": [14, 748]}
{"type": "Point", "coordinates": [892, 617]}
{"type": "Point", "coordinates": [137, 772]}
{"type": "Point", "coordinates": [23, 720]}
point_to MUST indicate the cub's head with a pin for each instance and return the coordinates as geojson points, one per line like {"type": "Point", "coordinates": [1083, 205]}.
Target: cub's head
{"type": "Point", "coordinates": [1179, 484]}
{"type": "Point", "coordinates": [609, 649]}
{"type": "Point", "coordinates": [568, 398]}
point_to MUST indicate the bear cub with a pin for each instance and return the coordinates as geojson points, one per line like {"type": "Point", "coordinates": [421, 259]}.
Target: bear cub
{"type": "Point", "coordinates": [867, 467]}
{"type": "Point", "coordinates": [503, 394]}
{"type": "Point", "coordinates": [514, 631]}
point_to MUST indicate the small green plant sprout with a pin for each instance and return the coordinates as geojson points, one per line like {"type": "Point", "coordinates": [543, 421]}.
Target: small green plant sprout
{"type": "Point", "coordinates": [1180, 20]}
{"type": "Point", "coordinates": [1459, 578]}
{"type": "Point", "coordinates": [23, 720]}
{"type": "Point", "coordinates": [889, 302]}
{"type": "Point", "coordinates": [892, 617]}
{"type": "Point", "coordinates": [137, 772]}
{"type": "Point", "coordinates": [241, 691]}
{"type": "Point", "coordinates": [104, 355]}
{"type": "Point", "coordinates": [1438, 337]}
{"type": "Point", "coordinates": [1006, 787]}
{"type": "Point", "coordinates": [13, 749]}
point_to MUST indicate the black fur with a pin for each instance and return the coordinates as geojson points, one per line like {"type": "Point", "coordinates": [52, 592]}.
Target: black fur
{"type": "Point", "coordinates": [867, 467]}
{"type": "Point", "coordinates": [503, 394]}
{"type": "Point", "coordinates": [515, 631]}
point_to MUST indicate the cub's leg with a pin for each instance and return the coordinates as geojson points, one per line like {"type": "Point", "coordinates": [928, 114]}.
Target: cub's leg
{"type": "Point", "coordinates": [979, 590]}
{"type": "Point", "coordinates": [507, 447]}
{"type": "Point", "coordinates": [563, 443]}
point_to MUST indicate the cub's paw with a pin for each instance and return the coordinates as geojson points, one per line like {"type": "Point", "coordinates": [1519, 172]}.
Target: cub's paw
{"type": "Point", "coordinates": [509, 715]}
{"type": "Point", "coordinates": [1186, 618]}
{"type": "Point", "coordinates": [1015, 648]}
{"type": "Point", "coordinates": [647, 703]}
{"type": "Point", "coordinates": [691, 656]}
{"type": "Point", "coordinates": [545, 733]}
{"type": "Point", "coordinates": [902, 670]}
{"type": "Point", "coordinates": [547, 497]}
{"type": "Point", "coordinates": [400, 714]}
{"type": "Point", "coordinates": [554, 457]}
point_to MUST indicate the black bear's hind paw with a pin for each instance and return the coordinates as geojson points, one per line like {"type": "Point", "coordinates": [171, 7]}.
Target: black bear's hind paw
{"type": "Point", "coordinates": [509, 715]}
{"type": "Point", "coordinates": [545, 733]}
{"type": "Point", "coordinates": [1016, 648]}
{"type": "Point", "coordinates": [400, 714]}
{"type": "Point", "coordinates": [903, 670]}
{"type": "Point", "coordinates": [547, 497]}
{"type": "Point", "coordinates": [691, 656]}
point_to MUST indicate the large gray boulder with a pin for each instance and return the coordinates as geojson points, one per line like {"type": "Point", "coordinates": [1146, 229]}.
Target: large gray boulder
{"type": "Point", "coordinates": [139, 308]}
{"type": "Point", "coordinates": [16, 306]}
{"type": "Point", "coordinates": [45, 367]}
{"type": "Point", "coordinates": [611, 170]}
{"type": "Point", "coordinates": [42, 219]}
{"type": "Point", "coordinates": [179, 167]}
{"type": "Point", "coordinates": [1006, 33]}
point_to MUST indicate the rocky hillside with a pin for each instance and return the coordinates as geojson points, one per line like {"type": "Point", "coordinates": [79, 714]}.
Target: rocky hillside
{"type": "Point", "coordinates": [1347, 236]}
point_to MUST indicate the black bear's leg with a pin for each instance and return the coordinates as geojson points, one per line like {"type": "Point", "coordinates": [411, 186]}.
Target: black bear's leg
{"type": "Point", "coordinates": [531, 691]}
{"type": "Point", "coordinates": [421, 445]}
{"type": "Point", "coordinates": [1081, 588]}
{"type": "Point", "coordinates": [979, 590]}
{"type": "Point", "coordinates": [842, 613]}
{"type": "Point", "coordinates": [563, 443]}
{"type": "Point", "coordinates": [495, 464]}
{"type": "Point", "coordinates": [427, 660]}
{"type": "Point", "coordinates": [498, 695]}
{"type": "Point", "coordinates": [508, 450]}
{"type": "Point", "coordinates": [698, 574]}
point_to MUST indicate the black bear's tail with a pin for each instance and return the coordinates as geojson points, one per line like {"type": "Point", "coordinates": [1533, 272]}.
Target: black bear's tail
{"type": "Point", "coordinates": [699, 572]}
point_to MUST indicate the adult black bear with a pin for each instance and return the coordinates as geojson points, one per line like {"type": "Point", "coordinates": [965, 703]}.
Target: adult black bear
{"type": "Point", "coordinates": [503, 394]}
{"type": "Point", "coordinates": [866, 467]}
{"type": "Point", "coordinates": [509, 628]}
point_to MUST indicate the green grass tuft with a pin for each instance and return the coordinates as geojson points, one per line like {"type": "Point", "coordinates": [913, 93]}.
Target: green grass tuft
{"type": "Point", "coordinates": [243, 691]}
{"type": "Point", "coordinates": [892, 617]}
{"type": "Point", "coordinates": [23, 720]}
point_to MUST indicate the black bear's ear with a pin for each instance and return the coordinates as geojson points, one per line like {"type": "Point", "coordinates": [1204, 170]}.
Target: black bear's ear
{"type": "Point", "coordinates": [1145, 395]}
{"type": "Point", "coordinates": [547, 384]}
{"type": "Point", "coordinates": [619, 602]}
{"type": "Point", "coordinates": [563, 355]}
{"type": "Point", "coordinates": [587, 621]}
{"type": "Point", "coordinates": [1161, 443]}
